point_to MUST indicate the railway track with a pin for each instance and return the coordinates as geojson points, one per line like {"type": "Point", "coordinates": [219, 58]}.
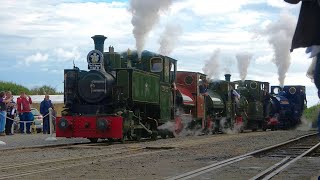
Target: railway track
{"type": "Point", "coordinates": [29, 168]}
{"type": "Point", "coordinates": [289, 152]}
{"type": "Point", "coordinates": [100, 143]}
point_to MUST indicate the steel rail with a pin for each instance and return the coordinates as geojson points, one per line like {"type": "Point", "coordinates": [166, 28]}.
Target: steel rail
{"type": "Point", "coordinates": [19, 165]}
{"type": "Point", "coordinates": [30, 172]}
{"type": "Point", "coordinates": [278, 170]}
{"type": "Point", "coordinates": [45, 146]}
{"type": "Point", "coordinates": [263, 173]}
{"type": "Point", "coordinates": [226, 162]}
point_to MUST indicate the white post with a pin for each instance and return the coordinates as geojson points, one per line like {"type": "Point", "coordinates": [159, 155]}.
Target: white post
{"type": "Point", "coordinates": [51, 138]}
{"type": "Point", "coordinates": [25, 127]}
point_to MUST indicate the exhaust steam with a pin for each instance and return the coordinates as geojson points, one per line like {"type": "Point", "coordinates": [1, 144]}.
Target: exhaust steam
{"type": "Point", "coordinates": [169, 38]}
{"type": "Point", "coordinates": [145, 14]}
{"type": "Point", "coordinates": [244, 59]}
{"type": "Point", "coordinates": [280, 35]}
{"type": "Point", "coordinates": [212, 65]}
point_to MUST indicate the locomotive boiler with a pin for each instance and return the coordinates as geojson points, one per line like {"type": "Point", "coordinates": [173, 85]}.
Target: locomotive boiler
{"type": "Point", "coordinates": [121, 95]}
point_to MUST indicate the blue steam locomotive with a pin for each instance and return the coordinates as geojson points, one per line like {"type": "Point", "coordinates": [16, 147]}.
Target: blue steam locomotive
{"type": "Point", "coordinates": [287, 105]}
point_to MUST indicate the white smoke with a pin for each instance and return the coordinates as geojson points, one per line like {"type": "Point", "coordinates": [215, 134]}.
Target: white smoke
{"type": "Point", "coordinates": [228, 64]}
{"type": "Point", "coordinates": [306, 125]}
{"type": "Point", "coordinates": [280, 35]}
{"type": "Point", "coordinates": [244, 59]}
{"type": "Point", "coordinates": [212, 65]}
{"type": "Point", "coordinates": [186, 119]}
{"type": "Point", "coordinates": [169, 38]}
{"type": "Point", "coordinates": [228, 130]}
{"type": "Point", "coordinates": [145, 14]}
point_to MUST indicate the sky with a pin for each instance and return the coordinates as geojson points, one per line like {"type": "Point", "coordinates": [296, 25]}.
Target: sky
{"type": "Point", "coordinates": [40, 38]}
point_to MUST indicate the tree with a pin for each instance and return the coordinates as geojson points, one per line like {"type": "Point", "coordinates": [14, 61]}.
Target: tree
{"type": "Point", "coordinates": [43, 90]}
{"type": "Point", "coordinates": [13, 87]}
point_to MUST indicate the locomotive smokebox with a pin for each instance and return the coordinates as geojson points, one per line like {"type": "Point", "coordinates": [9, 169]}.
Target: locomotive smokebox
{"type": "Point", "coordinates": [99, 42]}
{"type": "Point", "coordinates": [227, 77]}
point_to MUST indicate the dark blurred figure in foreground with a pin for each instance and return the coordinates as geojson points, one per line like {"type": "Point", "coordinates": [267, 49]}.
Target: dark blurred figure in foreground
{"type": "Point", "coordinates": [307, 34]}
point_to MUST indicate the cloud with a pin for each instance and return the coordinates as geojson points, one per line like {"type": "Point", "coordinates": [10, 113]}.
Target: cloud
{"type": "Point", "coordinates": [36, 58]}
{"type": "Point", "coordinates": [279, 4]}
{"type": "Point", "coordinates": [47, 32]}
{"type": "Point", "coordinates": [63, 54]}
{"type": "Point", "coordinates": [212, 7]}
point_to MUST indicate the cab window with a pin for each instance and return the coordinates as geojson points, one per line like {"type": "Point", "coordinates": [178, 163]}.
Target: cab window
{"type": "Point", "coordinates": [156, 64]}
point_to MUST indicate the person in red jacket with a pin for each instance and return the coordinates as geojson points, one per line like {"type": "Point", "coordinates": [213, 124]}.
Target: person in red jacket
{"type": "Point", "coordinates": [24, 109]}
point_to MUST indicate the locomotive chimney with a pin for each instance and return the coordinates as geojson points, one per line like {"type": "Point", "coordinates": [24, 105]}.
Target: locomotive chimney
{"type": "Point", "coordinates": [227, 77]}
{"type": "Point", "coordinates": [99, 42]}
{"type": "Point", "coordinates": [111, 49]}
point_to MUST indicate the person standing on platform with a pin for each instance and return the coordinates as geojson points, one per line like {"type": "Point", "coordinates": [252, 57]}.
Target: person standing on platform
{"type": "Point", "coordinates": [24, 109]}
{"type": "Point", "coordinates": [11, 111]}
{"type": "Point", "coordinates": [44, 110]}
{"type": "Point", "coordinates": [3, 112]}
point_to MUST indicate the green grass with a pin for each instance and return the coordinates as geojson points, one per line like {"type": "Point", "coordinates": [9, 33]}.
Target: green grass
{"type": "Point", "coordinates": [311, 113]}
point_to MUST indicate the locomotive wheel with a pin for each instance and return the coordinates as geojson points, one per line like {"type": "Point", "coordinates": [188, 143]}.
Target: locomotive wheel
{"type": "Point", "coordinates": [93, 140]}
{"type": "Point", "coordinates": [137, 135]}
{"type": "Point", "coordinates": [264, 129]}
{"type": "Point", "coordinates": [164, 136]}
{"type": "Point", "coordinates": [137, 138]}
{"type": "Point", "coordinates": [172, 135]}
{"type": "Point", "coordinates": [121, 140]}
{"type": "Point", "coordinates": [110, 140]}
{"type": "Point", "coordinates": [154, 135]}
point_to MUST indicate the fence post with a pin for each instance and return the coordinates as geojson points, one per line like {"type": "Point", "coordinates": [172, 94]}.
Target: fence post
{"type": "Point", "coordinates": [51, 138]}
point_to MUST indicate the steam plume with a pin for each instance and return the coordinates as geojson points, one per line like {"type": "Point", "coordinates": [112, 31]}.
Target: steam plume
{"type": "Point", "coordinates": [169, 38]}
{"type": "Point", "coordinates": [212, 65]}
{"type": "Point", "coordinates": [227, 65]}
{"type": "Point", "coordinates": [145, 14]}
{"type": "Point", "coordinates": [243, 59]}
{"type": "Point", "coordinates": [280, 34]}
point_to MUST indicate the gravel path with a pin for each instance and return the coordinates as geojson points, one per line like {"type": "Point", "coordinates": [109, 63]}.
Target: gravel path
{"type": "Point", "coordinates": [189, 153]}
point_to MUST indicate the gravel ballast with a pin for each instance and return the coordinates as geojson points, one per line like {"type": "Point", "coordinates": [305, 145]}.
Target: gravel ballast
{"type": "Point", "coordinates": [189, 153]}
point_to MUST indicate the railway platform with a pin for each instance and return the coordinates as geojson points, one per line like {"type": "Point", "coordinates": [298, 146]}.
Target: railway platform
{"type": "Point", "coordinates": [31, 140]}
